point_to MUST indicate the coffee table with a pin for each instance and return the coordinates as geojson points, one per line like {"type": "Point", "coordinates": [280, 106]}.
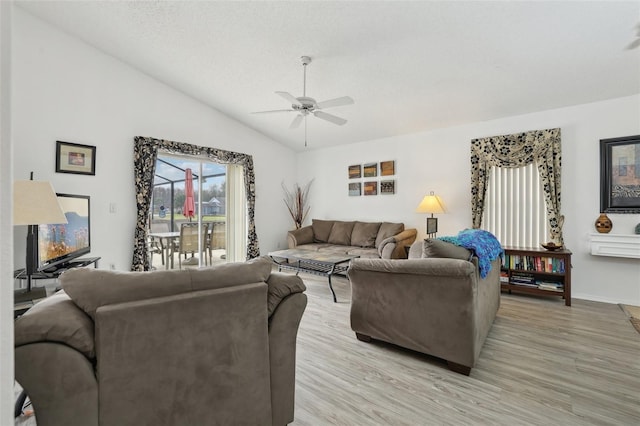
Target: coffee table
{"type": "Point", "coordinates": [313, 262]}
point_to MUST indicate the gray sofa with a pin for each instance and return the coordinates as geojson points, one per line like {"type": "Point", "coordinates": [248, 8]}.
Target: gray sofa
{"type": "Point", "coordinates": [434, 302]}
{"type": "Point", "coordinates": [208, 346]}
{"type": "Point", "coordinates": [374, 240]}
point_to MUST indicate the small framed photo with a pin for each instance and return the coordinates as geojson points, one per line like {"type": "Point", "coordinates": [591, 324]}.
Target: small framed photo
{"type": "Point", "coordinates": [387, 168]}
{"type": "Point", "coordinates": [371, 188]}
{"type": "Point", "coordinates": [371, 170]}
{"type": "Point", "coordinates": [355, 189]}
{"type": "Point", "coordinates": [354, 171]}
{"type": "Point", "coordinates": [620, 175]}
{"type": "Point", "coordinates": [75, 158]}
{"type": "Point", "coordinates": [387, 187]}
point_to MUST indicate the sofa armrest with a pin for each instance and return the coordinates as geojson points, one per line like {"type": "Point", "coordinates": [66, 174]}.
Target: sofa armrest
{"type": "Point", "coordinates": [280, 287]}
{"type": "Point", "coordinates": [300, 236]}
{"type": "Point", "coordinates": [56, 319]}
{"type": "Point", "coordinates": [394, 247]}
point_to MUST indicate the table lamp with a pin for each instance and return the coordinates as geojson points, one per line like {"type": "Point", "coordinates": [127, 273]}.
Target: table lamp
{"type": "Point", "coordinates": [34, 203]}
{"type": "Point", "coordinates": [431, 204]}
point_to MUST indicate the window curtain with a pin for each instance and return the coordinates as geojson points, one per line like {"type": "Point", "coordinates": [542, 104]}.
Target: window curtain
{"type": "Point", "coordinates": [541, 147]}
{"type": "Point", "coordinates": [145, 156]}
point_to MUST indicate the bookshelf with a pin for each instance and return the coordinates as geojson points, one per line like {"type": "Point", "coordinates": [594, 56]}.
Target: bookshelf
{"type": "Point", "coordinates": [537, 271]}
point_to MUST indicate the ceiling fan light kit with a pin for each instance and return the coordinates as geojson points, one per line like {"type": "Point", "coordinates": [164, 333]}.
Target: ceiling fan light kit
{"type": "Point", "coordinates": [305, 105]}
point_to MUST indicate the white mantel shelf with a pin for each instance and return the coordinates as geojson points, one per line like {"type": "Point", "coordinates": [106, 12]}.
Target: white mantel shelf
{"type": "Point", "coordinates": [615, 245]}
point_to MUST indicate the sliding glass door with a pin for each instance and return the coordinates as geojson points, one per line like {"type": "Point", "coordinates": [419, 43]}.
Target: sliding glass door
{"type": "Point", "coordinates": [218, 207]}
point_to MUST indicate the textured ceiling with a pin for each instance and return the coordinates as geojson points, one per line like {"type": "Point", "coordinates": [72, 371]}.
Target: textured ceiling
{"type": "Point", "coordinates": [409, 66]}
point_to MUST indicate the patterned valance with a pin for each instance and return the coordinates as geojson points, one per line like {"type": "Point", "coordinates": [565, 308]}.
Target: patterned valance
{"type": "Point", "coordinates": [145, 156]}
{"type": "Point", "coordinates": [517, 150]}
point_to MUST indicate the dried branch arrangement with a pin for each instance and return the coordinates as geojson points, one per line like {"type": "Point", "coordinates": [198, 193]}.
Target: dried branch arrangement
{"type": "Point", "coordinates": [296, 201]}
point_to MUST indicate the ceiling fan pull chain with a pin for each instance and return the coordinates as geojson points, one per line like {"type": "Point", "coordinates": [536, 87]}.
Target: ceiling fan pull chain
{"type": "Point", "coordinates": [305, 131]}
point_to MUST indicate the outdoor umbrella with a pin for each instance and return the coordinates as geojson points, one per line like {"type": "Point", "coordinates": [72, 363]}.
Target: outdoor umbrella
{"type": "Point", "coordinates": [189, 208]}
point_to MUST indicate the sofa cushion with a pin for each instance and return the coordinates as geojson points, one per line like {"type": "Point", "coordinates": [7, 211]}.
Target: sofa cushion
{"type": "Point", "coordinates": [341, 233]}
{"type": "Point", "coordinates": [56, 319]}
{"type": "Point", "coordinates": [91, 288]}
{"type": "Point", "coordinates": [321, 230]}
{"type": "Point", "coordinates": [443, 249]}
{"type": "Point", "coordinates": [388, 229]}
{"type": "Point", "coordinates": [364, 234]}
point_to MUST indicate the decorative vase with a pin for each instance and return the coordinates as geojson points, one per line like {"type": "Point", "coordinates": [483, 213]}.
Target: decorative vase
{"type": "Point", "coordinates": [603, 224]}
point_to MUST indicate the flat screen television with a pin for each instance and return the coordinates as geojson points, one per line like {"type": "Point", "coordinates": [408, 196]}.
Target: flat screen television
{"type": "Point", "coordinates": [58, 244]}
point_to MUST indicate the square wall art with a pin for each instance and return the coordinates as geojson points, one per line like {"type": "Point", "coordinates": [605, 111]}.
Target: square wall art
{"type": "Point", "coordinates": [371, 188]}
{"type": "Point", "coordinates": [355, 189]}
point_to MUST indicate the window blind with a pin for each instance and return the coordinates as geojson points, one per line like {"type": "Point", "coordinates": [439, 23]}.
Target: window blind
{"type": "Point", "coordinates": [515, 210]}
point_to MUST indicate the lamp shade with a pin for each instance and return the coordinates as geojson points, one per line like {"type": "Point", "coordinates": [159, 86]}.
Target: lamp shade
{"type": "Point", "coordinates": [35, 203]}
{"type": "Point", "coordinates": [431, 204]}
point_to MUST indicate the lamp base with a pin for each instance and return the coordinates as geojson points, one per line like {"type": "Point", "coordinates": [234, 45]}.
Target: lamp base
{"type": "Point", "coordinates": [432, 226]}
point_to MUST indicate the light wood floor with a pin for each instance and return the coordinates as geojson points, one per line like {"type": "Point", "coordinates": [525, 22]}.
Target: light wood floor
{"type": "Point", "coordinates": [543, 363]}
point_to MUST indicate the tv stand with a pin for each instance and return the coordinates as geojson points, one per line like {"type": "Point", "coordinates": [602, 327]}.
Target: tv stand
{"type": "Point", "coordinates": [75, 263]}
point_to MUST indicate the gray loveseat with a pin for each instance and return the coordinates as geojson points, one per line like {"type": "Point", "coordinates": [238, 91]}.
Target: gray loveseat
{"type": "Point", "coordinates": [375, 240]}
{"type": "Point", "coordinates": [208, 346]}
{"type": "Point", "coordinates": [434, 302]}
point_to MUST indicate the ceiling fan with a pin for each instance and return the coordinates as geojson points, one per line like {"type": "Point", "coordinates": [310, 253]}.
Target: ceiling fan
{"type": "Point", "coordinates": [305, 105]}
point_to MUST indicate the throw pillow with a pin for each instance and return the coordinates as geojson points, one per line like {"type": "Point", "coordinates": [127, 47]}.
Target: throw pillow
{"type": "Point", "coordinates": [321, 230]}
{"type": "Point", "coordinates": [341, 233]}
{"type": "Point", "coordinates": [443, 249]}
{"type": "Point", "coordinates": [364, 234]}
{"type": "Point", "coordinates": [388, 229]}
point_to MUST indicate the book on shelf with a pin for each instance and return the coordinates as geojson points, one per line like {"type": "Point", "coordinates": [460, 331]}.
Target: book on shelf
{"type": "Point", "coordinates": [533, 263]}
{"type": "Point", "coordinates": [550, 285]}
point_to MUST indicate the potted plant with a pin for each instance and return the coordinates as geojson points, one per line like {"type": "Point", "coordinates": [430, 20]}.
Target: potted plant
{"type": "Point", "coordinates": [296, 201]}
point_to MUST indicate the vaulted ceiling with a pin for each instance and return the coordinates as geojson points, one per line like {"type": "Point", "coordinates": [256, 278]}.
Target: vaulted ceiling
{"type": "Point", "coordinates": [409, 66]}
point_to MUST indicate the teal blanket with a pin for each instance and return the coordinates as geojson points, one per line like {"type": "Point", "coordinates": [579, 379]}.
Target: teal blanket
{"type": "Point", "coordinates": [484, 245]}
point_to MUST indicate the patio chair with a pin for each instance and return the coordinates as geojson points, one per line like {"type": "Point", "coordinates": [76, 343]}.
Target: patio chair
{"type": "Point", "coordinates": [188, 242]}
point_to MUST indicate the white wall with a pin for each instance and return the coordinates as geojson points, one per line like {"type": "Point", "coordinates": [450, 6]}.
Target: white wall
{"type": "Point", "coordinates": [439, 161]}
{"type": "Point", "coordinates": [66, 90]}
{"type": "Point", "coordinates": [6, 212]}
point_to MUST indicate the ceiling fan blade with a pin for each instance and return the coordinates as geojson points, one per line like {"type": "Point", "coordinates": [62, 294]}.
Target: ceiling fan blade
{"type": "Point", "coordinates": [634, 44]}
{"type": "Point", "coordinates": [332, 118]}
{"type": "Point", "coordinates": [290, 98]}
{"type": "Point", "coordinates": [296, 121]}
{"type": "Point", "coordinates": [345, 100]}
{"type": "Point", "coordinates": [273, 110]}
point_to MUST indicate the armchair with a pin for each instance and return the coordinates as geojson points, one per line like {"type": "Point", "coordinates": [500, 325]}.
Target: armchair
{"type": "Point", "coordinates": [208, 346]}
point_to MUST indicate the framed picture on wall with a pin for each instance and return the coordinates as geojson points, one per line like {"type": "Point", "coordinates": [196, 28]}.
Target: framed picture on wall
{"type": "Point", "coordinates": [75, 158]}
{"type": "Point", "coordinates": [387, 187]}
{"type": "Point", "coordinates": [371, 170]}
{"type": "Point", "coordinates": [355, 189]}
{"type": "Point", "coordinates": [620, 175]}
{"type": "Point", "coordinates": [354, 171]}
{"type": "Point", "coordinates": [387, 168]}
{"type": "Point", "coordinates": [371, 188]}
